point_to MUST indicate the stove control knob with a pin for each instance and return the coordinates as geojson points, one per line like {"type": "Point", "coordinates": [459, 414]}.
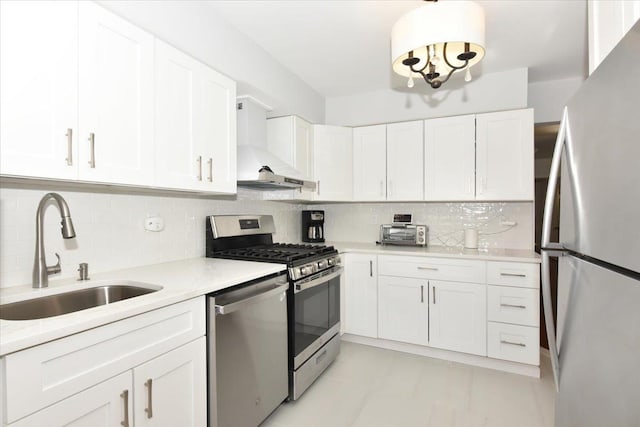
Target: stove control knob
{"type": "Point", "coordinates": [304, 271]}
{"type": "Point", "coordinates": [331, 261]}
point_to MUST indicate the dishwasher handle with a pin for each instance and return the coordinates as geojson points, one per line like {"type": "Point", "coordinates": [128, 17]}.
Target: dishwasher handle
{"type": "Point", "coordinates": [221, 310]}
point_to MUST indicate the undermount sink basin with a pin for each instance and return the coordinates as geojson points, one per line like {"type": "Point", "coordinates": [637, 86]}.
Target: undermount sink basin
{"type": "Point", "coordinates": [69, 302]}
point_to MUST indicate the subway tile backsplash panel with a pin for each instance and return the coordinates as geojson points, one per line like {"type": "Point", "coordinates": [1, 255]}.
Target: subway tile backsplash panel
{"type": "Point", "coordinates": [110, 233]}
{"type": "Point", "coordinates": [360, 222]}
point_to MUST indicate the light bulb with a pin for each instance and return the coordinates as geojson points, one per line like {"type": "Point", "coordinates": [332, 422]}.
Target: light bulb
{"type": "Point", "coordinates": [410, 82]}
{"type": "Point", "coordinates": [467, 75]}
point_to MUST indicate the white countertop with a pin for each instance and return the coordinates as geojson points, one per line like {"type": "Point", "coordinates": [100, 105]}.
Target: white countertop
{"type": "Point", "coordinates": [492, 254]}
{"type": "Point", "coordinates": [181, 280]}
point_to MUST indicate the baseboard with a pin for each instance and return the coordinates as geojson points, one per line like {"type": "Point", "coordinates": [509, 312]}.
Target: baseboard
{"type": "Point", "coordinates": [453, 356]}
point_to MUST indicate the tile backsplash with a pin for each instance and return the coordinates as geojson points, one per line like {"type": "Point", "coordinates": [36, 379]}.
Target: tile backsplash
{"type": "Point", "coordinates": [110, 233]}
{"type": "Point", "coordinates": [360, 222]}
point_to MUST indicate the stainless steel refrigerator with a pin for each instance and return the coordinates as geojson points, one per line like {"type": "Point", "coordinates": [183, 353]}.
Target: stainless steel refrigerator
{"type": "Point", "coordinates": [596, 356]}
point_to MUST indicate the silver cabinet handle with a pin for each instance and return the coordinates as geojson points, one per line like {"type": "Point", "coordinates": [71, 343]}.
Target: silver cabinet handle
{"type": "Point", "coordinates": [513, 306]}
{"type": "Point", "coordinates": [318, 188]}
{"type": "Point", "coordinates": [149, 409]}
{"type": "Point", "coordinates": [199, 161]}
{"type": "Point", "coordinates": [92, 148]}
{"type": "Point", "coordinates": [370, 268]}
{"type": "Point", "coordinates": [513, 275]}
{"type": "Point", "coordinates": [390, 188]}
{"type": "Point", "coordinates": [428, 268]}
{"type": "Point", "coordinates": [69, 158]}
{"type": "Point", "coordinates": [381, 188]}
{"type": "Point", "coordinates": [125, 396]}
{"type": "Point", "coordinates": [434, 294]}
{"type": "Point", "coordinates": [519, 344]}
{"type": "Point", "coordinates": [210, 163]}
{"type": "Point", "coordinates": [421, 293]}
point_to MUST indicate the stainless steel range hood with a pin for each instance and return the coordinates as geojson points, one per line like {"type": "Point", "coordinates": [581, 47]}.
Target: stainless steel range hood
{"type": "Point", "coordinates": [257, 167]}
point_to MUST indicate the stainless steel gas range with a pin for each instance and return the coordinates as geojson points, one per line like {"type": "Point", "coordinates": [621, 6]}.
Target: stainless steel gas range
{"type": "Point", "coordinates": [313, 298]}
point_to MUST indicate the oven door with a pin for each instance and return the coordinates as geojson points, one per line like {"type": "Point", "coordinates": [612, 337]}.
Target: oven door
{"type": "Point", "coordinates": [316, 313]}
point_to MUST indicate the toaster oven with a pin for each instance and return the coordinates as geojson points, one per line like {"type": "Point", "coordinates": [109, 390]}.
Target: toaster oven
{"type": "Point", "coordinates": [404, 234]}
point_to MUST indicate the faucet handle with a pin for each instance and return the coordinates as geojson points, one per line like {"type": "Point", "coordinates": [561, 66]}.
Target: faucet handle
{"type": "Point", "coordinates": [56, 268]}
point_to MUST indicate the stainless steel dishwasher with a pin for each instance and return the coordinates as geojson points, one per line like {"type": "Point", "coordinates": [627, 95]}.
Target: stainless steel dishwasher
{"type": "Point", "coordinates": [247, 346]}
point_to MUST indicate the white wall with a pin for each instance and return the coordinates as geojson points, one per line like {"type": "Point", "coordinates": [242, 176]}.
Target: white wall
{"type": "Point", "coordinates": [360, 222]}
{"type": "Point", "coordinates": [199, 30]}
{"type": "Point", "coordinates": [489, 92]}
{"type": "Point", "coordinates": [109, 229]}
{"type": "Point", "coordinates": [548, 98]}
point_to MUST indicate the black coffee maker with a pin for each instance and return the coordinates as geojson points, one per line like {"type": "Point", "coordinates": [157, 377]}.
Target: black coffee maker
{"type": "Point", "coordinates": [313, 226]}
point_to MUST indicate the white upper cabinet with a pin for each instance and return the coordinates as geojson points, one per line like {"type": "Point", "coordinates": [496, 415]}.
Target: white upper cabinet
{"type": "Point", "coordinates": [116, 99]}
{"type": "Point", "coordinates": [333, 162]}
{"type": "Point", "coordinates": [609, 21]}
{"type": "Point", "coordinates": [504, 155]}
{"type": "Point", "coordinates": [405, 161]}
{"type": "Point", "coordinates": [290, 138]}
{"type": "Point", "coordinates": [370, 163]}
{"type": "Point", "coordinates": [39, 87]}
{"type": "Point", "coordinates": [449, 158]}
{"type": "Point", "coordinates": [195, 124]}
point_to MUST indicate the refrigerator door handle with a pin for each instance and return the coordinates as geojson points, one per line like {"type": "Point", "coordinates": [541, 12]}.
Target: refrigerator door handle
{"type": "Point", "coordinates": [546, 244]}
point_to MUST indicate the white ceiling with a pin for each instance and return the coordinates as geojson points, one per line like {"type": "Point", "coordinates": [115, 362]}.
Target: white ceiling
{"type": "Point", "coordinates": [342, 47]}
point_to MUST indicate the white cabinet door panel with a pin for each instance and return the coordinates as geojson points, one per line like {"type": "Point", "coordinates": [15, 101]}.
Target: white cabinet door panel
{"type": "Point", "coordinates": [171, 390]}
{"type": "Point", "coordinates": [458, 316]}
{"type": "Point", "coordinates": [361, 291]}
{"type": "Point", "coordinates": [504, 155]}
{"type": "Point", "coordinates": [39, 87]}
{"type": "Point", "coordinates": [405, 161]}
{"type": "Point", "coordinates": [98, 406]}
{"type": "Point", "coordinates": [370, 163]}
{"type": "Point", "coordinates": [333, 162]}
{"type": "Point", "coordinates": [403, 311]}
{"type": "Point", "coordinates": [449, 158]}
{"type": "Point", "coordinates": [116, 98]}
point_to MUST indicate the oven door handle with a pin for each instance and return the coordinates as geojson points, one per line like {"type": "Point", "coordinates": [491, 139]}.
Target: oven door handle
{"type": "Point", "coordinates": [299, 287]}
{"type": "Point", "coordinates": [221, 310]}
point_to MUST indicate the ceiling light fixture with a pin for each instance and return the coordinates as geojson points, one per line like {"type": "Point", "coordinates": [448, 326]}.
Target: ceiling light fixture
{"type": "Point", "coordinates": [438, 39]}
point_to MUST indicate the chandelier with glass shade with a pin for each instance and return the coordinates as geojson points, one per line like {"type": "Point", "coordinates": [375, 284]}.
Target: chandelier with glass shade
{"type": "Point", "coordinates": [438, 39]}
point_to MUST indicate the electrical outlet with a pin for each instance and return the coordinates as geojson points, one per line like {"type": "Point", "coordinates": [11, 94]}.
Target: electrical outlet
{"type": "Point", "coordinates": [154, 223]}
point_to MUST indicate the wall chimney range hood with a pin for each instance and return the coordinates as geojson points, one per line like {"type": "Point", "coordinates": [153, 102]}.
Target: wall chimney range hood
{"type": "Point", "coordinates": [257, 167]}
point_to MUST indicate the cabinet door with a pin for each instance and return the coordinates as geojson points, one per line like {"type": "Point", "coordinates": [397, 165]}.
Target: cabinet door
{"type": "Point", "coordinates": [450, 158]}
{"type": "Point", "coordinates": [216, 113]}
{"type": "Point", "coordinates": [504, 155]}
{"type": "Point", "coordinates": [171, 389]}
{"type": "Point", "coordinates": [405, 161]}
{"type": "Point", "coordinates": [101, 405]}
{"type": "Point", "coordinates": [333, 164]}
{"type": "Point", "coordinates": [116, 99]}
{"type": "Point", "coordinates": [176, 154]}
{"type": "Point", "coordinates": [361, 291]}
{"type": "Point", "coordinates": [403, 309]}
{"type": "Point", "coordinates": [303, 146]}
{"type": "Point", "coordinates": [370, 163]}
{"type": "Point", "coordinates": [39, 87]}
{"type": "Point", "coordinates": [458, 316]}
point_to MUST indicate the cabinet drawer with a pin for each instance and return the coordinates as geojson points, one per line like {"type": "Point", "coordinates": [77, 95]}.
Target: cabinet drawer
{"type": "Point", "coordinates": [457, 270]}
{"type": "Point", "coordinates": [513, 342]}
{"type": "Point", "coordinates": [45, 374]}
{"type": "Point", "coordinates": [513, 274]}
{"type": "Point", "coordinates": [513, 305]}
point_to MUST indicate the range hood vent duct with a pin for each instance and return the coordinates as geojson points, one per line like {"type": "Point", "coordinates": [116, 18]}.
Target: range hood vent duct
{"type": "Point", "coordinates": [257, 167]}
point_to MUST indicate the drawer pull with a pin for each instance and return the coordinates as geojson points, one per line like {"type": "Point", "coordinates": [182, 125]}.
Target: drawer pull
{"type": "Point", "coordinates": [69, 158]}
{"type": "Point", "coordinates": [428, 268]}
{"type": "Point", "coordinates": [125, 398]}
{"type": "Point", "coordinates": [149, 408]}
{"type": "Point", "coordinates": [513, 306]}
{"type": "Point", "coordinates": [519, 344]}
{"type": "Point", "coordinates": [513, 274]}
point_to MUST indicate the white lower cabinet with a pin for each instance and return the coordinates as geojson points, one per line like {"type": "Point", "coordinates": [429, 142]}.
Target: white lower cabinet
{"type": "Point", "coordinates": [148, 369]}
{"type": "Point", "coordinates": [458, 316]}
{"type": "Point", "coordinates": [514, 342]}
{"type": "Point", "coordinates": [361, 295]}
{"type": "Point", "coordinates": [403, 309]}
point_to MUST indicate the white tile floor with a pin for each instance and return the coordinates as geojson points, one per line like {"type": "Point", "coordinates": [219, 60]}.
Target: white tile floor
{"type": "Point", "coordinates": [369, 387]}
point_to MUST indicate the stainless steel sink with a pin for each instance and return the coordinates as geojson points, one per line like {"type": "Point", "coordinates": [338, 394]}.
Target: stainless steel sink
{"type": "Point", "coordinates": [69, 302]}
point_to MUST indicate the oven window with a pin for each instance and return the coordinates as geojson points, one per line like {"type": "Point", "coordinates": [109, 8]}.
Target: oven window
{"type": "Point", "coordinates": [317, 310]}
